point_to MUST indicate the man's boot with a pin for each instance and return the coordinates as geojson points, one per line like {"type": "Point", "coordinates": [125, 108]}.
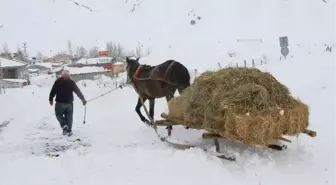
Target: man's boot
{"type": "Point", "coordinates": [65, 130]}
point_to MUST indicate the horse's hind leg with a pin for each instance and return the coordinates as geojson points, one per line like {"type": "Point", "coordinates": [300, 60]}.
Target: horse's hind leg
{"type": "Point", "coordinates": [137, 110]}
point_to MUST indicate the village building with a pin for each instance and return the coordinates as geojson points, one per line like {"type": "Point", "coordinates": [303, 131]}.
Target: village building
{"type": "Point", "coordinates": [12, 73]}
{"type": "Point", "coordinates": [105, 62]}
{"type": "Point", "coordinates": [11, 69]}
{"type": "Point", "coordinates": [43, 68]}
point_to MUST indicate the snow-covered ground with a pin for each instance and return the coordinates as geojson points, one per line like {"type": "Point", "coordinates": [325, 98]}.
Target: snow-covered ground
{"type": "Point", "coordinates": [117, 148]}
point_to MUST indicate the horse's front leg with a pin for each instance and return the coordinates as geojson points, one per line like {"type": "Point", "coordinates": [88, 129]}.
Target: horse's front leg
{"type": "Point", "coordinates": [137, 110]}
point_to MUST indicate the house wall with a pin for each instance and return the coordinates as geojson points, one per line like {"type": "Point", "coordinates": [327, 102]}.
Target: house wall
{"type": "Point", "coordinates": [42, 69]}
{"type": "Point", "coordinates": [21, 72]}
{"type": "Point", "coordinates": [13, 73]}
{"type": "Point", "coordinates": [119, 69]}
{"type": "Point", "coordinates": [111, 67]}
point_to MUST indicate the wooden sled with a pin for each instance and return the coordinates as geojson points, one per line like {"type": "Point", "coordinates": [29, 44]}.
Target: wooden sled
{"type": "Point", "coordinates": [168, 121]}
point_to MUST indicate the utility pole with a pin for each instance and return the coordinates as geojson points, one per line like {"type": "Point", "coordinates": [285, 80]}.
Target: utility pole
{"type": "Point", "coordinates": [1, 77]}
{"type": "Point", "coordinates": [25, 51]}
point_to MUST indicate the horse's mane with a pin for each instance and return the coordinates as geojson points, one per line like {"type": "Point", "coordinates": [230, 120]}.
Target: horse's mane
{"type": "Point", "coordinates": [145, 66]}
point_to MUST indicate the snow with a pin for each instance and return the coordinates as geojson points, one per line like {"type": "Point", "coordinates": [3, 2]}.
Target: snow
{"type": "Point", "coordinates": [162, 25]}
{"type": "Point", "coordinates": [56, 69]}
{"type": "Point", "coordinates": [80, 70]}
{"type": "Point", "coordinates": [98, 60]}
{"type": "Point", "coordinates": [44, 64]}
{"type": "Point", "coordinates": [117, 147]}
{"type": "Point", "coordinates": [33, 70]}
{"type": "Point", "coordinates": [10, 63]}
{"type": "Point", "coordinates": [119, 63]}
{"type": "Point", "coordinates": [14, 80]}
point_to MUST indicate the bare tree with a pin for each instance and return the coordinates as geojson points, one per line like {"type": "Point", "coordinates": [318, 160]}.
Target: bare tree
{"type": "Point", "coordinates": [81, 52]}
{"type": "Point", "coordinates": [115, 50]}
{"type": "Point", "coordinates": [148, 51]}
{"type": "Point", "coordinates": [129, 53]}
{"type": "Point", "coordinates": [5, 48]}
{"type": "Point", "coordinates": [109, 47]}
{"type": "Point", "coordinates": [121, 51]}
{"type": "Point", "coordinates": [93, 52]}
{"type": "Point", "coordinates": [39, 55]}
{"type": "Point", "coordinates": [6, 53]}
{"type": "Point", "coordinates": [19, 55]}
{"type": "Point", "coordinates": [138, 50]}
{"type": "Point", "coordinates": [70, 48]}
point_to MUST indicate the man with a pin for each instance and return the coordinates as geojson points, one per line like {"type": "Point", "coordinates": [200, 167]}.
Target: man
{"type": "Point", "coordinates": [63, 88]}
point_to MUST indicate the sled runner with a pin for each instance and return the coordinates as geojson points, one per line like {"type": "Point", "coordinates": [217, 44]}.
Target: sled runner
{"type": "Point", "coordinates": [168, 121]}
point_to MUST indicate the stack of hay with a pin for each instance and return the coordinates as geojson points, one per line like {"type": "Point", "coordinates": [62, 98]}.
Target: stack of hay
{"type": "Point", "coordinates": [242, 104]}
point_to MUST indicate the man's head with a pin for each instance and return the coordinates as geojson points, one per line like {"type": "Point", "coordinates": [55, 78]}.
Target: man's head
{"type": "Point", "coordinates": [65, 74]}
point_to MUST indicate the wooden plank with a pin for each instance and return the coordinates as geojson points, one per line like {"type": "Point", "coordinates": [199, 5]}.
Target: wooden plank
{"type": "Point", "coordinates": [164, 123]}
{"type": "Point", "coordinates": [212, 136]}
{"type": "Point", "coordinates": [310, 133]}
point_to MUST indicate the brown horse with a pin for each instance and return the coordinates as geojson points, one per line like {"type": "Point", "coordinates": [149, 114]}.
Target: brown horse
{"type": "Point", "coordinates": [158, 81]}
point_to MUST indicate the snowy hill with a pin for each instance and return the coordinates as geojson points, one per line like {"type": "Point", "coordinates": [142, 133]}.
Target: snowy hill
{"type": "Point", "coordinates": [164, 26]}
{"type": "Point", "coordinates": [116, 147]}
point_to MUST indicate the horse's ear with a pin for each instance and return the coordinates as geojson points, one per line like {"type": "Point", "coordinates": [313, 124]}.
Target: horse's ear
{"type": "Point", "coordinates": [138, 58]}
{"type": "Point", "coordinates": [127, 59]}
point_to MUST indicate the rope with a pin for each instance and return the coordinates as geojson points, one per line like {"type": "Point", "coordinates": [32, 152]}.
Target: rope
{"type": "Point", "coordinates": [120, 86]}
{"type": "Point", "coordinates": [84, 119]}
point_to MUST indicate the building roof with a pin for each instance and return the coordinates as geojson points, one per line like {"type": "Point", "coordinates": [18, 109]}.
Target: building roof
{"type": "Point", "coordinates": [44, 65]}
{"type": "Point", "coordinates": [97, 60]}
{"type": "Point", "coordinates": [4, 62]}
{"type": "Point", "coordinates": [75, 70]}
{"type": "Point", "coordinates": [119, 63]}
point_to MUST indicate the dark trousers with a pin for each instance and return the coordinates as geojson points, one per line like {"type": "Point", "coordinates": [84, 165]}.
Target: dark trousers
{"type": "Point", "coordinates": [64, 114]}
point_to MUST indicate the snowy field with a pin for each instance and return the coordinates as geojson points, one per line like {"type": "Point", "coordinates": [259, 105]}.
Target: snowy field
{"type": "Point", "coordinates": [117, 148]}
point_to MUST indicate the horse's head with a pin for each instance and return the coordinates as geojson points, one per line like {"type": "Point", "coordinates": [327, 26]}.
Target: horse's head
{"type": "Point", "coordinates": [132, 65]}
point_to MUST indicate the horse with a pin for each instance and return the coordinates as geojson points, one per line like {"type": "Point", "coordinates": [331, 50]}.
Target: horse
{"type": "Point", "coordinates": [151, 82]}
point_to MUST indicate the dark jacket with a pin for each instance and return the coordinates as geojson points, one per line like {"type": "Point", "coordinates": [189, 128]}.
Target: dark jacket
{"type": "Point", "coordinates": [63, 89]}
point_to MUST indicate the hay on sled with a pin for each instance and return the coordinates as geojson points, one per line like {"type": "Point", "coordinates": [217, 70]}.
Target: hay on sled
{"type": "Point", "coordinates": [241, 104]}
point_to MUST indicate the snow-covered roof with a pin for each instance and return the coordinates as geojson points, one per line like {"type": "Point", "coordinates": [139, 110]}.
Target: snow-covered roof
{"type": "Point", "coordinates": [56, 69]}
{"type": "Point", "coordinates": [45, 64]}
{"type": "Point", "coordinates": [4, 62]}
{"type": "Point", "coordinates": [118, 63]}
{"type": "Point", "coordinates": [14, 80]}
{"type": "Point", "coordinates": [81, 70]}
{"type": "Point", "coordinates": [33, 70]}
{"type": "Point", "coordinates": [98, 60]}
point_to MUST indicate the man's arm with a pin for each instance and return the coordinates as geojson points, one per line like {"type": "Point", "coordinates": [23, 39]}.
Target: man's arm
{"type": "Point", "coordinates": [78, 92]}
{"type": "Point", "coordinates": [53, 91]}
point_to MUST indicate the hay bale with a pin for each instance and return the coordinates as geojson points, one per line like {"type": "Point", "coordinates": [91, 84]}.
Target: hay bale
{"type": "Point", "coordinates": [243, 104]}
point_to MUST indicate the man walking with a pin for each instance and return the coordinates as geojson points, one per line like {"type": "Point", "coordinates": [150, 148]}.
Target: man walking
{"type": "Point", "coordinates": [63, 88]}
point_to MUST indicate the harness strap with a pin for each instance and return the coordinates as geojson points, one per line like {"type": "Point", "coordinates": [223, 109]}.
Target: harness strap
{"type": "Point", "coordinates": [168, 69]}
{"type": "Point", "coordinates": [137, 72]}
